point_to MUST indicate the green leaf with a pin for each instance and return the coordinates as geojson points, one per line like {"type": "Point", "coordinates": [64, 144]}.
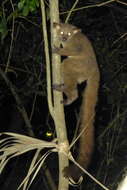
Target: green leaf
{"type": "Point", "coordinates": [26, 10]}
{"type": "Point", "coordinates": [14, 14]}
{"type": "Point", "coordinates": [32, 5]}
{"type": "Point", "coordinates": [3, 28]}
{"type": "Point", "coordinates": [37, 3]}
{"type": "Point", "coordinates": [20, 5]}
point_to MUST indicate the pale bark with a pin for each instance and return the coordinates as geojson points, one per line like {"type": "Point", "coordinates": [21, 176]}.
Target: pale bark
{"type": "Point", "coordinates": [59, 119]}
{"type": "Point", "coordinates": [56, 108]}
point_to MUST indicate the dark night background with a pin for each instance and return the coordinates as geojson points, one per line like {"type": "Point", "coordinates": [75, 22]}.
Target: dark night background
{"type": "Point", "coordinates": [106, 27]}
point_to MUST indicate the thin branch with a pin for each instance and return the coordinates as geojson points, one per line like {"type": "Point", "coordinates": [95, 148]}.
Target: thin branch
{"type": "Point", "coordinates": [33, 106]}
{"type": "Point", "coordinates": [48, 69]}
{"type": "Point", "coordinates": [121, 37]}
{"type": "Point", "coordinates": [90, 6]}
{"type": "Point", "coordinates": [69, 14]}
{"type": "Point", "coordinates": [12, 39]}
{"type": "Point", "coordinates": [81, 132]}
{"type": "Point", "coordinates": [92, 177]}
{"type": "Point", "coordinates": [19, 103]}
{"type": "Point", "coordinates": [121, 2]}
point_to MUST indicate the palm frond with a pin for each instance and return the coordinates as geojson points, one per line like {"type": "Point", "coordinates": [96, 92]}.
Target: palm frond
{"type": "Point", "coordinates": [35, 168]}
{"type": "Point", "coordinates": [17, 144]}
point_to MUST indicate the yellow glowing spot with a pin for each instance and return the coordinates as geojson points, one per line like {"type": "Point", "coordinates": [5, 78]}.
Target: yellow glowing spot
{"type": "Point", "coordinates": [48, 134]}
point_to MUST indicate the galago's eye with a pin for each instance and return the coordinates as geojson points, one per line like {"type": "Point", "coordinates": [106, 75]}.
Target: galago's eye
{"type": "Point", "coordinates": [69, 34]}
{"type": "Point", "coordinates": [61, 32]}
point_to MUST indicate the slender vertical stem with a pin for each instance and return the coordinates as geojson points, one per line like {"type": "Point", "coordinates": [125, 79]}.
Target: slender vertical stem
{"type": "Point", "coordinates": [48, 69]}
{"type": "Point", "coordinates": [59, 118]}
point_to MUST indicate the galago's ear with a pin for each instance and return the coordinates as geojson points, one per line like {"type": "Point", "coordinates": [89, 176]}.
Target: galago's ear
{"type": "Point", "coordinates": [75, 31]}
{"type": "Point", "coordinates": [56, 25]}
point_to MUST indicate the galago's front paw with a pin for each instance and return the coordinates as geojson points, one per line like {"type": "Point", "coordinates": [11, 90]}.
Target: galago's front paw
{"type": "Point", "coordinates": [55, 49]}
{"type": "Point", "coordinates": [58, 87]}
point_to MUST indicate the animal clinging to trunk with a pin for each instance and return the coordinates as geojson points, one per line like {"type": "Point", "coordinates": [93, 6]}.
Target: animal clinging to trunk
{"type": "Point", "coordinates": [79, 66]}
